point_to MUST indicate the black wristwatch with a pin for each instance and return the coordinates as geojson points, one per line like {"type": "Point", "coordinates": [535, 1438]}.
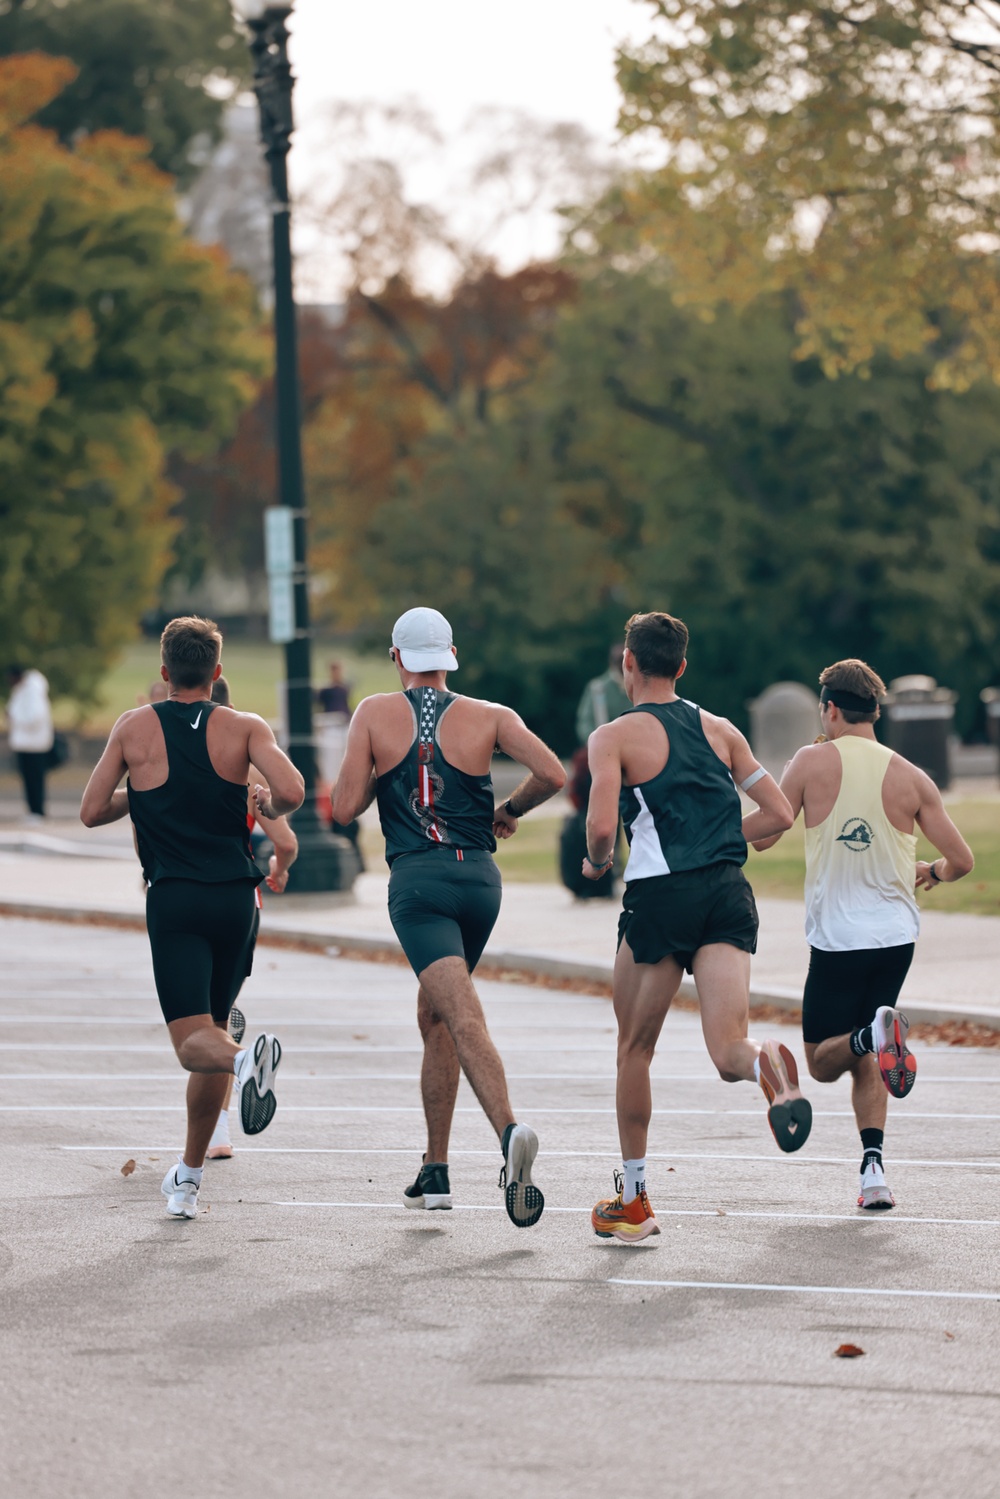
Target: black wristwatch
{"type": "Point", "coordinates": [932, 871]}
{"type": "Point", "coordinates": [510, 811]}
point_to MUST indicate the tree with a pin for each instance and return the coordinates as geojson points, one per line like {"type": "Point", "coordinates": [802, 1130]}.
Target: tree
{"type": "Point", "coordinates": [843, 150]}
{"type": "Point", "coordinates": [162, 71]}
{"type": "Point", "coordinates": [120, 340]}
{"type": "Point", "coordinates": [789, 519]}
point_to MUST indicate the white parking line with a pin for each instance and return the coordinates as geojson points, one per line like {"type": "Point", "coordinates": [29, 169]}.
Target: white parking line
{"type": "Point", "coordinates": [725, 1285]}
{"type": "Point", "coordinates": [775, 1158]}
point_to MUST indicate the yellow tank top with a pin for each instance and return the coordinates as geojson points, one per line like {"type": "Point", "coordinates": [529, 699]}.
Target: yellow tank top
{"type": "Point", "coordinates": [859, 868]}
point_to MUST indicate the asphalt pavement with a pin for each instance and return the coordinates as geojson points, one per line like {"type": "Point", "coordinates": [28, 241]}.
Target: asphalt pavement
{"type": "Point", "coordinates": [306, 1335]}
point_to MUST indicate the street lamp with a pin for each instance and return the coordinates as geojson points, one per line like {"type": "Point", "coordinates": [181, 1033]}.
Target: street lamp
{"type": "Point", "coordinates": [324, 862]}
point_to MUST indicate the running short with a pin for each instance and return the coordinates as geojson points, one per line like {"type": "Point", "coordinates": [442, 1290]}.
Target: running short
{"type": "Point", "coordinates": [202, 938]}
{"type": "Point", "coordinates": [672, 915]}
{"type": "Point", "coordinates": [443, 907]}
{"type": "Point", "coordinates": [844, 989]}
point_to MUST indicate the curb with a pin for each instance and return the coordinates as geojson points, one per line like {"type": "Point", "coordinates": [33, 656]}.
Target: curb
{"type": "Point", "coordinates": [535, 967]}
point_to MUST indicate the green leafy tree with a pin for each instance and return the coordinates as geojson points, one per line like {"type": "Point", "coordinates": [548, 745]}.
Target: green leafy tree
{"type": "Point", "coordinates": [120, 340]}
{"type": "Point", "coordinates": [160, 69]}
{"type": "Point", "coordinates": [843, 150]}
{"type": "Point", "coordinates": [789, 519]}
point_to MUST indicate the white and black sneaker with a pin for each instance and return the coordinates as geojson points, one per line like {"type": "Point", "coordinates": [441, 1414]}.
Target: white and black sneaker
{"type": "Point", "coordinates": [431, 1190]}
{"type": "Point", "coordinates": [237, 1024]}
{"type": "Point", "coordinates": [523, 1200]}
{"type": "Point", "coordinates": [255, 1081]}
{"type": "Point", "coordinates": [873, 1193]}
{"type": "Point", "coordinates": [181, 1195]}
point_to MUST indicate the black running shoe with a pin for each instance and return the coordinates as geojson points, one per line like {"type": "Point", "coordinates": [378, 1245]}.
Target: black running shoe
{"type": "Point", "coordinates": [522, 1199]}
{"type": "Point", "coordinates": [431, 1190]}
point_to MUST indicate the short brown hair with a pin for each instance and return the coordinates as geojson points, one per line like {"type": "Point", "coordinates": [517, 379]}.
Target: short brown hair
{"type": "Point", "coordinates": [190, 649]}
{"type": "Point", "coordinates": [221, 693]}
{"type": "Point", "coordinates": [658, 642]}
{"type": "Point", "coordinates": [857, 677]}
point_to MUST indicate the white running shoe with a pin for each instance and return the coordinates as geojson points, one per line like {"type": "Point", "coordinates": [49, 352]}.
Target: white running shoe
{"type": "Point", "coordinates": [237, 1024]}
{"type": "Point", "coordinates": [255, 1081]}
{"type": "Point", "coordinates": [220, 1147]}
{"type": "Point", "coordinates": [522, 1199]}
{"type": "Point", "coordinates": [873, 1192]}
{"type": "Point", "coordinates": [181, 1195]}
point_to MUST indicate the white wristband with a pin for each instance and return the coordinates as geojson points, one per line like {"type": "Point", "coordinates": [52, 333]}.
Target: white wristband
{"type": "Point", "coordinates": [753, 779]}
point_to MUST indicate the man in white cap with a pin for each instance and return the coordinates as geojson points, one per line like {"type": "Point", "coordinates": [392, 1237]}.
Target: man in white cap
{"type": "Point", "coordinates": [425, 754]}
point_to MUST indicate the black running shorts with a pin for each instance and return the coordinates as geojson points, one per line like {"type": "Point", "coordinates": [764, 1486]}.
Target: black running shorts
{"type": "Point", "coordinates": [672, 915]}
{"type": "Point", "coordinates": [443, 907]}
{"type": "Point", "coordinates": [844, 989]}
{"type": "Point", "coordinates": [202, 938]}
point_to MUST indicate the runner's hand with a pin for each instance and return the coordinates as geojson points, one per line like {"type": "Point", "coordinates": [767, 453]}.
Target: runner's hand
{"type": "Point", "coordinates": [504, 826]}
{"type": "Point", "coordinates": [276, 878]}
{"type": "Point", "coordinates": [262, 800]}
{"type": "Point", "coordinates": [590, 873]}
{"type": "Point", "coordinates": [925, 880]}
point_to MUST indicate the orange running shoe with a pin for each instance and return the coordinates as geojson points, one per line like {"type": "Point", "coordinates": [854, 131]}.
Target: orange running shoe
{"type": "Point", "coordinates": [896, 1062]}
{"type": "Point", "coordinates": [790, 1115]}
{"type": "Point", "coordinates": [628, 1221]}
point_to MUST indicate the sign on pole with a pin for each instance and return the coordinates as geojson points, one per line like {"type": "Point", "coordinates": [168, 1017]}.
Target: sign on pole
{"type": "Point", "coordinates": [279, 553]}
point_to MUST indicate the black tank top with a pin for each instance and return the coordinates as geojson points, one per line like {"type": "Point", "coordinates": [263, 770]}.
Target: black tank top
{"type": "Point", "coordinates": [193, 826]}
{"type": "Point", "coordinates": [690, 814]}
{"type": "Point", "coordinates": [425, 803]}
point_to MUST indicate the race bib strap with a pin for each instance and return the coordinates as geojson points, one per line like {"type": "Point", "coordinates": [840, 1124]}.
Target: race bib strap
{"type": "Point", "coordinates": [753, 779]}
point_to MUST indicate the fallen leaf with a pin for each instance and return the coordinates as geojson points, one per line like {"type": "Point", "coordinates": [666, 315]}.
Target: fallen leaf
{"type": "Point", "coordinates": [670, 1168]}
{"type": "Point", "coordinates": [950, 1336]}
{"type": "Point", "coordinates": [154, 1157]}
{"type": "Point", "coordinates": [849, 1350]}
{"type": "Point", "coordinates": [721, 1212]}
{"type": "Point", "coordinates": [128, 1168]}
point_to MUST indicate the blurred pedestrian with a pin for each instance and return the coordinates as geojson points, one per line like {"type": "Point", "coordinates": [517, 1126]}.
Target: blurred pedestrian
{"type": "Point", "coordinates": [604, 698]}
{"type": "Point", "coordinates": [335, 696]}
{"type": "Point", "coordinates": [31, 732]}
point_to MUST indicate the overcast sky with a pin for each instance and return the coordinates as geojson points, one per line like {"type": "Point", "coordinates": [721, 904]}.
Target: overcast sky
{"type": "Point", "coordinates": [553, 59]}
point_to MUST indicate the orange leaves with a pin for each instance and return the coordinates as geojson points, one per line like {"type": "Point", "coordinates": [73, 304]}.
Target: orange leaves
{"type": "Point", "coordinates": [848, 1350]}
{"type": "Point", "coordinates": [128, 1168]}
{"type": "Point", "coordinates": [29, 81]}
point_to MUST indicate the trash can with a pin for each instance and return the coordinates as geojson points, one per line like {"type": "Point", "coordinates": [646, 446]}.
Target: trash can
{"type": "Point", "coordinates": [918, 721]}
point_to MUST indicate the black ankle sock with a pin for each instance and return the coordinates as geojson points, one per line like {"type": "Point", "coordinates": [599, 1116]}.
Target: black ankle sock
{"type": "Point", "coordinates": [872, 1141]}
{"type": "Point", "coordinates": [861, 1041]}
{"type": "Point", "coordinates": [506, 1137]}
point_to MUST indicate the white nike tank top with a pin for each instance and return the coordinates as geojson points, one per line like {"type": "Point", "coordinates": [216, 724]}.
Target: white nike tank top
{"type": "Point", "coordinates": [859, 868]}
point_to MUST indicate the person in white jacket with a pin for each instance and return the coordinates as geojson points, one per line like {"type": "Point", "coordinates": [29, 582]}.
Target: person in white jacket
{"type": "Point", "coordinates": [29, 725]}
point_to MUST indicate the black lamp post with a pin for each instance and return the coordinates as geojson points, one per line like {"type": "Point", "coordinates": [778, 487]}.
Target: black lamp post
{"type": "Point", "coordinates": [324, 862]}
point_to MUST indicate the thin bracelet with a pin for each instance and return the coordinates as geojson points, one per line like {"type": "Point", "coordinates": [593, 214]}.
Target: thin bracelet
{"type": "Point", "coordinates": [605, 863]}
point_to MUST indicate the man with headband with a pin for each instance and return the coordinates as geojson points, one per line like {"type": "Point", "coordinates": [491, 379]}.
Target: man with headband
{"type": "Point", "coordinates": [861, 804]}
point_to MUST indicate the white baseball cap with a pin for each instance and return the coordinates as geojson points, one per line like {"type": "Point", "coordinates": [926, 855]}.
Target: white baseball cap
{"type": "Point", "coordinates": [423, 639]}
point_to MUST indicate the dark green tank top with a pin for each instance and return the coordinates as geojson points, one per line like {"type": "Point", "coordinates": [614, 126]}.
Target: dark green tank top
{"type": "Point", "coordinates": [193, 826]}
{"type": "Point", "coordinates": [425, 803]}
{"type": "Point", "coordinates": [689, 815]}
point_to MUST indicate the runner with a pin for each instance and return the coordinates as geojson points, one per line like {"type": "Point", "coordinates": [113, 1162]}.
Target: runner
{"type": "Point", "coordinates": [861, 802]}
{"type": "Point", "coordinates": [671, 767]}
{"type": "Point", "coordinates": [187, 763]}
{"type": "Point", "coordinates": [278, 831]}
{"type": "Point", "coordinates": [426, 753]}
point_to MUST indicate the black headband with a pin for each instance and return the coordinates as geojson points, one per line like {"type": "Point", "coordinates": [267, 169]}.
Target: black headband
{"type": "Point", "coordinates": [848, 700]}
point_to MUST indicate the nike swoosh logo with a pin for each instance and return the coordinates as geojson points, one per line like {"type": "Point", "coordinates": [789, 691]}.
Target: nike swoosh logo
{"type": "Point", "coordinates": [198, 719]}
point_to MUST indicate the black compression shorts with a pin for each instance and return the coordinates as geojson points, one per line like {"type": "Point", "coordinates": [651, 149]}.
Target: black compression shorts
{"type": "Point", "coordinates": [443, 907]}
{"type": "Point", "coordinates": [844, 989]}
{"type": "Point", "coordinates": [202, 938]}
{"type": "Point", "coordinates": [672, 915]}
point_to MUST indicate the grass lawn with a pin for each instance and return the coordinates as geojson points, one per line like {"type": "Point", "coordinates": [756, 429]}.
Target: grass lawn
{"type": "Point", "coordinates": [254, 669]}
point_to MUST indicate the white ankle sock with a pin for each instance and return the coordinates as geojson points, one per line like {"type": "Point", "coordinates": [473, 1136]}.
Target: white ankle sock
{"type": "Point", "coordinates": [237, 1059]}
{"type": "Point", "coordinates": [186, 1173]}
{"type": "Point", "coordinates": [635, 1179]}
{"type": "Point", "coordinates": [220, 1134]}
{"type": "Point", "coordinates": [756, 1067]}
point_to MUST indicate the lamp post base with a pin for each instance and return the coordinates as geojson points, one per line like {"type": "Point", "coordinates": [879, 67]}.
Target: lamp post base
{"type": "Point", "coordinates": [326, 861]}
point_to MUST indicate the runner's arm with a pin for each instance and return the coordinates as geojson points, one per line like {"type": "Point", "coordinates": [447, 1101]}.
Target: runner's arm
{"type": "Point", "coordinates": [546, 775]}
{"type": "Point", "coordinates": [102, 801]}
{"type": "Point", "coordinates": [604, 758]}
{"type": "Point", "coordinates": [937, 827]}
{"type": "Point", "coordinates": [285, 788]}
{"type": "Point", "coordinates": [792, 788]}
{"type": "Point", "coordinates": [286, 845]}
{"type": "Point", "coordinates": [774, 816]}
{"type": "Point", "coordinates": [356, 781]}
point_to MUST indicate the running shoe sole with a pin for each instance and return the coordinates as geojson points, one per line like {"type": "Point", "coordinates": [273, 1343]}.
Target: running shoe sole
{"type": "Point", "coordinates": [237, 1024]}
{"type": "Point", "coordinates": [434, 1202]}
{"type": "Point", "coordinates": [876, 1199]}
{"type": "Point", "coordinates": [523, 1200]}
{"type": "Point", "coordinates": [219, 1153]}
{"type": "Point", "coordinates": [789, 1115]}
{"type": "Point", "coordinates": [627, 1233]}
{"type": "Point", "coordinates": [897, 1065]}
{"type": "Point", "coordinates": [257, 1100]}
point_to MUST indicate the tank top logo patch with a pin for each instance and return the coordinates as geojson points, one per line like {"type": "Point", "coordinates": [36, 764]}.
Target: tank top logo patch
{"type": "Point", "coordinates": [857, 835]}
